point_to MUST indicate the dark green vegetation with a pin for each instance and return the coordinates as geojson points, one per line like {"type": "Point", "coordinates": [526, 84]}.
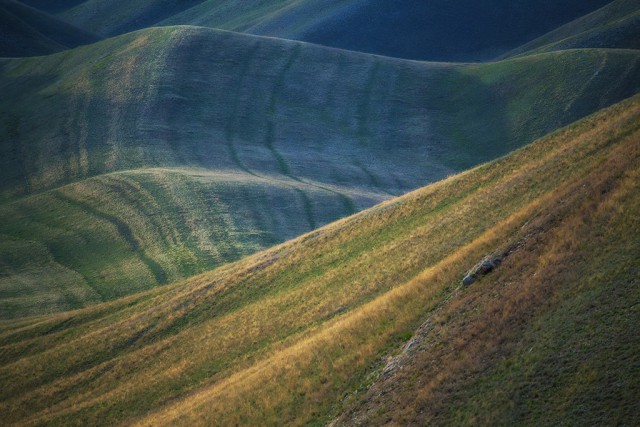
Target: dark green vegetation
{"type": "Point", "coordinates": [298, 333]}
{"type": "Point", "coordinates": [25, 31]}
{"type": "Point", "coordinates": [337, 131]}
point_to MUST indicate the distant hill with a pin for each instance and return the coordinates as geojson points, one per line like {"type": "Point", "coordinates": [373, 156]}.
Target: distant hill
{"type": "Point", "coordinates": [366, 322]}
{"type": "Point", "coordinates": [437, 30]}
{"type": "Point", "coordinates": [25, 31]}
{"type": "Point", "coordinates": [616, 25]}
{"type": "Point", "coordinates": [263, 139]}
{"type": "Point", "coordinates": [187, 96]}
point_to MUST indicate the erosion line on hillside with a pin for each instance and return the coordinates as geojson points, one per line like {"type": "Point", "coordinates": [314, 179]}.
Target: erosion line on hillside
{"type": "Point", "coordinates": [232, 124]}
{"type": "Point", "coordinates": [271, 112]}
{"type": "Point", "coordinates": [308, 208]}
{"type": "Point", "coordinates": [134, 197]}
{"type": "Point", "coordinates": [365, 104]}
{"type": "Point", "coordinates": [586, 84]}
{"type": "Point", "coordinates": [125, 232]}
{"type": "Point", "coordinates": [350, 206]}
{"type": "Point", "coordinates": [623, 78]}
{"type": "Point", "coordinates": [375, 182]}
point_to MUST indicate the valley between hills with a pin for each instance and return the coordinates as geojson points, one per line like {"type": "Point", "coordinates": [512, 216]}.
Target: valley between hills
{"type": "Point", "coordinates": [236, 213]}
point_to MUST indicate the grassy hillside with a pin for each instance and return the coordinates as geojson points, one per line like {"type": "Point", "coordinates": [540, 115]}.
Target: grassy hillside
{"type": "Point", "coordinates": [25, 31]}
{"type": "Point", "coordinates": [616, 25]}
{"type": "Point", "coordinates": [442, 30]}
{"type": "Point", "coordinates": [297, 333]}
{"type": "Point", "coordinates": [186, 96]}
{"type": "Point", "coordinates": [121, 233]}
{"type": "Point", "coordinates": [188, 116]}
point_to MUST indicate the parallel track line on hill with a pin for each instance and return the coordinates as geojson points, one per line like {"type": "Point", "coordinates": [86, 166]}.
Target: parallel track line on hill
{"type": "Point", "coordinates": [231, 128]}
{"type": "Point", "coordinates": [123, 230]}
{"type": "Point", "coordinates": [365, 102]}
{"type": "Point", "coordinates": [271, 112]}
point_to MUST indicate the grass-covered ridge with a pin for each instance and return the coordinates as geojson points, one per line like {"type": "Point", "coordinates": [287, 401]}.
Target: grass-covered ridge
{"type": "Point", "coordinates": [287, 335]}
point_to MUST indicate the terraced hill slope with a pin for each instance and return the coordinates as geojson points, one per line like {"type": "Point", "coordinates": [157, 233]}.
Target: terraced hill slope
{"type": "Point", "coordinates": [297, 334]}
{"type": "Point", "coordinates": [25, 31]}
{"type": "Point", "coordinates": [616, 25]}
{"type": "Point", "coordinates": [435, 30]}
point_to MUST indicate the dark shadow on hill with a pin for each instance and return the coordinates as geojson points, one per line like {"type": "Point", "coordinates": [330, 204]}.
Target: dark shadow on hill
{"type": "Point", "coordinates": [444, 30]}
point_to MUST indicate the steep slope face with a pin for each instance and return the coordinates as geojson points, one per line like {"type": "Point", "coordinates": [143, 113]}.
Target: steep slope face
{"type": "Point", "coordinates": [616, 25]}
{"type": "Point", "coordinates": [293, 334]}
{"type": "Point", "coordinates": [121, 233]}
{"type": "Point", "coordinates": [441, 30]}
{"type": "Point", "coordinates": [25, 31]}
{"type": "Point", "coordinates": [185, 96]}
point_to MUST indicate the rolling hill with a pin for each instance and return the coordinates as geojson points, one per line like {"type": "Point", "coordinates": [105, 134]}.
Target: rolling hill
{"type": "Point", "coordinates": [616, 25]}
{"type": "Point", "coordinates": [263, 139]}
{"type": "Point", "coordinates": [438, 30]}
{"type": "Point", "coordinates": [188, 96]}
{"type": "Point", "coordinates": [116, 234]}
{"type": "Point", "coordinates": [25, 31]}
{"type": "Point", "coordinates": [318, 329]}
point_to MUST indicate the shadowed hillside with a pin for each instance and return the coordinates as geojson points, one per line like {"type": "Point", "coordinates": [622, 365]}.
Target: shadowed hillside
{"type": "Point", "coordinates": [435, 30]}
{"type": "Point", "coordinates": [438, 30]}
{"type": "Point", "coordinates": [616, 25]}
{"type": "Point", "coordinates": [25, 31]}
{"type": "Point", "coordinates": [297, 334]}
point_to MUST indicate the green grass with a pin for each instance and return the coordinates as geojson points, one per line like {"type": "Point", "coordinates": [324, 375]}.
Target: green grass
{"type": "Point", "coordinates": [288, 335]}
{"type": "Point", "coordinates": [173, 96]}
{"type": "Point", "coordinates": [117, 234]}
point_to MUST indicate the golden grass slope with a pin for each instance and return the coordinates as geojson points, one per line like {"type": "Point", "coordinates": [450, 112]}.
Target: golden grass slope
{"type": "Point", "coordinates": [293, 335]}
